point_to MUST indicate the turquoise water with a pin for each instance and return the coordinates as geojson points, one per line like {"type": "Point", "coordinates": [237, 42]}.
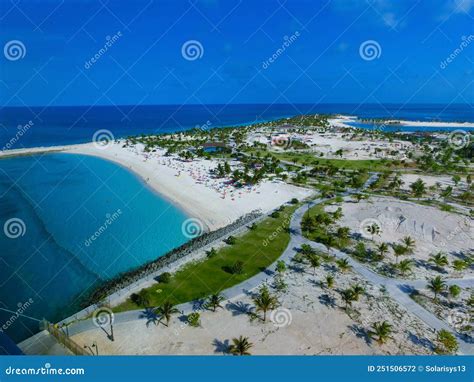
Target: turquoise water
{"type": "Point", "coordinates": [85, 220]}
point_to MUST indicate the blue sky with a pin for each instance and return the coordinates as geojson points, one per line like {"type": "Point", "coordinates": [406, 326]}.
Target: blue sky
{"type": "Point", "coordinates": [321, 62]}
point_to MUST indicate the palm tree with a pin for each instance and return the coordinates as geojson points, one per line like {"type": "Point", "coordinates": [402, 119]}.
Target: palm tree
{"type": "Point", "coordinates": [264, 301]}
{"type": "Point", "coordinates": [240, 346]}
{"type": "Point", "coordinates": [166, 310]}
{"type": "Point", "coordinates": [382, 248]}
{"type": "Point", "coordinates": [380, 332]}
{"type": "Point", "coordinates": [314, 261]}
{"type": "Point", "coordinates": [343, 264]}
{"type": "Point", "coordinates": [405, 266]}
{"type": "Point", "coordinates": [436, 285]}
{"type": "Point", "coordinates": [399, 250]}
{"type": "Point", "coordinates": [214, 301]}
{"type": "Point", "coordinates": [348, 297]}
{"type": "Point", "coordinates": [409, 243]}
{"type": "Point", "coordinates": [439, 260]}
{"type": "Point", "coordinates": [330, 281]}
{"type": "Point", "coordinates": [418, 188]}
{"type": "Point", "coordinates": [357, 290]}
{"type": "Point", "coordinates": [454, 291]}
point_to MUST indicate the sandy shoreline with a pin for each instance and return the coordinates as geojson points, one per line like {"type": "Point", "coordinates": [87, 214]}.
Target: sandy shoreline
{"type": "Point", "coordinates": [341, 120]}
{"type": "Point", "coordinates": [176, 181]}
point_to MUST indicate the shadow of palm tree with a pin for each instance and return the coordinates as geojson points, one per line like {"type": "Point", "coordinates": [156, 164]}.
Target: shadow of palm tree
{"type": "Point", "coordinates": [150, 315]}
{"type": "Point", "coordinates": [221, 346]}
{"type": "Point", "coordinates": [361, 332]}
{"type": "Point", "coordinates": [238, 308]}
{"type": "Point", "coordinates": [328, 301]}
{"type": "Point", "coordinates": [424, 342]}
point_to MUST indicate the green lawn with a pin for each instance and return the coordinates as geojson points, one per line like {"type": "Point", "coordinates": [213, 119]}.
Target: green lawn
{"type": "Point", "coordinates": [199, 279]}
{"type": "Point", "coordinates": [310, 159]}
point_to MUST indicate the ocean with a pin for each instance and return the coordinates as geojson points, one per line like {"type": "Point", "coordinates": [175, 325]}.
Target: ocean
{"type": "Point", "coordinates": [69, 125]}
{"type": "Point", "coordinates": [78, 220]}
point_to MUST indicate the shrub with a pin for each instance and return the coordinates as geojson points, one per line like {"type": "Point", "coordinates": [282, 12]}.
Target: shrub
{"type": "Point", "coordinates": [235, 269]}
{"type": "Point", "coordinates": [140, 298]}
{"type": "Point", "coordinates": [231, 240]}
{"type": "Point", "coordinates": [275, 214]}
{"type": "Point", "coordinates": [194, 319]}
{"type": "Point", "coordinates": [211, 253]}
{"type": "Point", "coordinates": [447, 343]}
{"type": "Point", "coordinates": [294, 201]}
{"type": "Point", "coordinates": [164, 278]}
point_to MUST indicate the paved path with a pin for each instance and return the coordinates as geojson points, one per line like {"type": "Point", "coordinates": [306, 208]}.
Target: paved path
{"type": "Point", "coordinates": [399, 289]}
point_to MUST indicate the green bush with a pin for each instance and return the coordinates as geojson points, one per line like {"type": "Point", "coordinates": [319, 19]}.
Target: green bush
{"type": "Point", "coordinates": [194, 319]}
{"type": "Point", "coordinates": [231, 240]}
{"type": "Point", "coordinates": [164, 278]}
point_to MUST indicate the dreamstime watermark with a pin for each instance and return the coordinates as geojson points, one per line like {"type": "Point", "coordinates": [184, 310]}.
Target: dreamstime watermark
{"type": "Point", "coordinates": [459, 139]}
{"type": "Point", "coordinates": [192, 228]}
{"type": "Point", "coordinates": [287, 42]}
{"type": "Point", "coordinates": [277, 231]}
{"type": "Point", "coordinates": [465, 225]}
{"type": "Point", "coordinates": [22, 129]}
{"type": "Point", "coordinates": [281, 317]}
{"type": "Point", "coordinates": [282, 142]}
{"type": "Point", "coordinates": [103, 138]}
{"type": "Point", "coordinates": [22, 308]}
{"type": "Point", "coordinates": [109, 42]}
{"type": "Point", "coordinates": [44, 370]}
{"type": "Point", "coordinates": [458, 320]}
{"type": "Point", "coordinates": [192, 50]}
{"type": "Point", "coordinates": [370, 227]}
{"type": "Point", "coordinates": [14, 50]}
{"type": "Point", "coordinates": [204, 127]}
{"type": "Point", "coordinates": [370, 50]}
{"type": "Point", "coordinates": [465, 42]}
{"type": "Point", "coordinates": [14, 228]}
{"type": "Point", "coordinates": [103, 317]}
{"type": "Point", "coordinates": [110, 219]}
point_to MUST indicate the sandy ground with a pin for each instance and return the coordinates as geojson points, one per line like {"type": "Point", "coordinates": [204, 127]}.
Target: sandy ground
{"type": "Point", "coordinates": [432, 229]}
{"type": "Point", "coordinates": [189, 185]}
{"type": "Point", "coordinates": [310, 320]}
{"type": "Point", "coordinates": [342, 119]}
{"type": "Point", "coordinates": [328, 143]}
{"type": "Point", "coordinates": [444, 181]}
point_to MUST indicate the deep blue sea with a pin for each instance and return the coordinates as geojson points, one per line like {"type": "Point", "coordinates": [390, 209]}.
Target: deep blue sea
{"type": "Point", "coordinates": [67, 125]}
{"type": "Point", "coordinates": [59, 201]}
{"type": "Point", "coordinates": [63, 200]}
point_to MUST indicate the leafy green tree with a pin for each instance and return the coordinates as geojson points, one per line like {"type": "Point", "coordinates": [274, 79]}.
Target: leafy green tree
{"type": "Point", "coordinates": [194, 319]}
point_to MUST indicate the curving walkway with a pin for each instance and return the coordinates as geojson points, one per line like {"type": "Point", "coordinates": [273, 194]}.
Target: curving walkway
{"type": "Point", "coordinates": [399, 289]}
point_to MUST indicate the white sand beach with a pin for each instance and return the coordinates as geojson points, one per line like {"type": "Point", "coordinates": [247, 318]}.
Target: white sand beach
{"type": "Point", "coordinates": [189, 185]}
